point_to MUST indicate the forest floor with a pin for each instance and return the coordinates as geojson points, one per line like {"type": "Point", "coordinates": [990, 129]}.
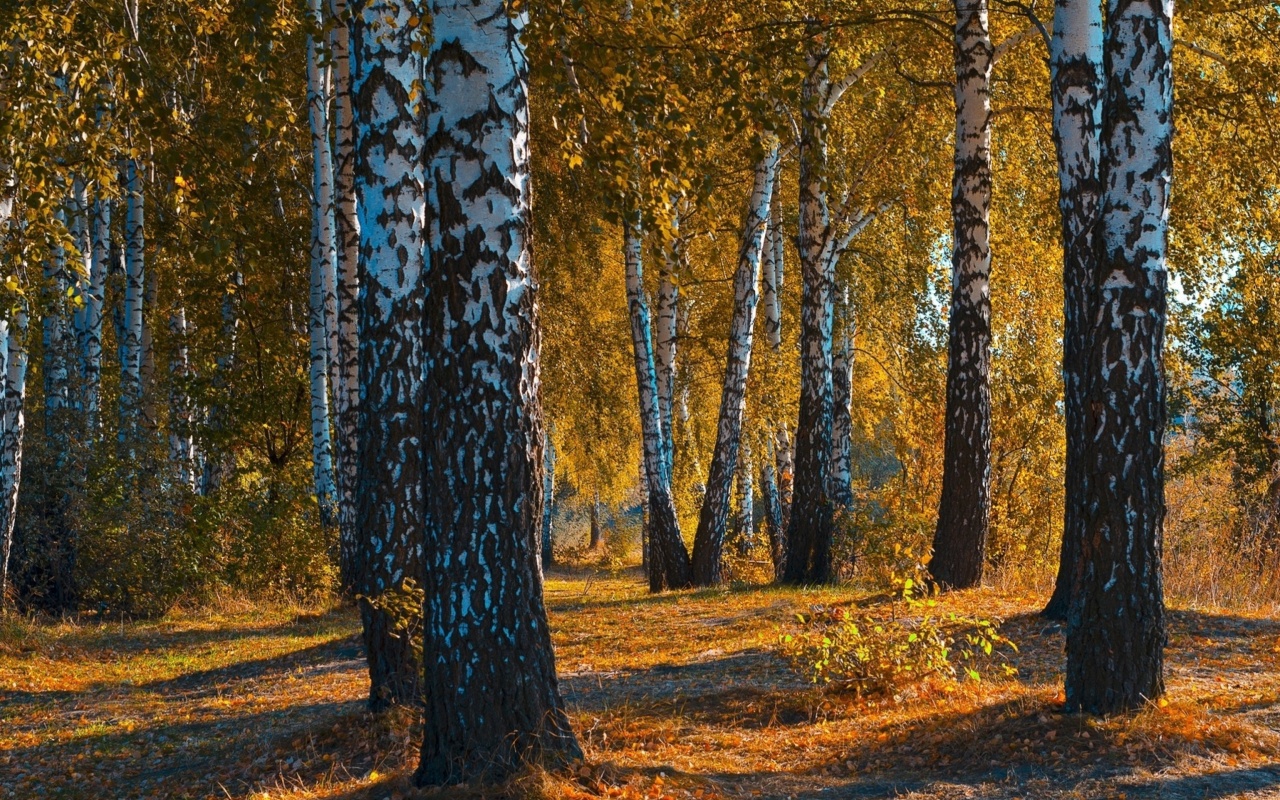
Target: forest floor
{"type": "Point", "coordinates": [675, 696]}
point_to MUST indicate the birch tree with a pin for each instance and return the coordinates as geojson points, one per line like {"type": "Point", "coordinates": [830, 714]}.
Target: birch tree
{"type": "Point", "coordinates": [12, 423]}
{"type": "Point", "coordinates": [842, 410]}
{"type": "Point", "coordinates": [484, 622]}
{"type": "Point", "coordinates": [1115, 626]}
{"type": "Point", "coordinates": [669, 565]}
{"type": "Point", "coordinates": [714, 517]}
{"type": "Point", "coordinates": [131, 327]}
{"type": "Point", "coordinates": [346, 390]}
{"type": "Point", "coordinates": [964, 512]}
{"type": "Point", "coordinates": [1075, 66]}
{"type": "Point", "coordinates": [322, 318]}
{"type": "Point", "coordinates": [386, 90]}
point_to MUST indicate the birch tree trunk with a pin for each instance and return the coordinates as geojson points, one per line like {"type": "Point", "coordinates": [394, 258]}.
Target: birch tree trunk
{"type": "Point", "coordinates": [595, 540]}
{"type": "Point", "coordinates": [964, 512]}
{"type": "Point", "coordinates": [387, 67]}
{"type": "Point", "coordinates": [12, 424]}
{"type": "Point", "coordinates": [785, 456]}
{"type": "Point", "coordinates": [746, 523]}
{"type": "Point", "coordinates": [547, 552]}
{"type": "Point", "coordinates": [491, 692]}
{"type": "Point", "coordinates": [668, 307]}
{"type": "Point", "coordinates": [131, 314]}
{"type": "Point", "coordinates": [708, 543]}
{"type": "Point", "coordinates": [346, 390]}
{"type": "Point", "coordinates": [772, 283]}
{"type": "Point", "coordinates": [95, 299]}
{"type": "Point", "coordinates": [810, 527]}
{"type": "Point", "coordinates": [772, 512]}
{"type": "Point", "coordinates": [182, 449]}
{"type": "Point", "coordinates": [669, 566]}
{"type": "Point", "coordinates": [320, 326]}
{"type": "Point", "coordinates": [842, 411]}
{"type": "Point", "coordinates": [58, 350]}
{"type": "Point", "coordinates": [1075, 64]}
{"type": "Point", "coordinates": [1115, 626]}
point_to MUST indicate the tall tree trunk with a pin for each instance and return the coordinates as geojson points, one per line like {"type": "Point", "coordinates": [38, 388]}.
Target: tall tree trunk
{"type": "Point", "coordinates": [1115, 626]}
{"type": "Point", "coordinates": [810, 528]}
{"type": "Point", "coordinates": [668, 308]}
{"type": "Point", "coordinates": [1075, 64]}
{"type": "Point", "coordinates": [59, 355]}
{"type": "Point", "coordinates": [708, 543]}
{"type": "Point", "coordinates": [346, 390]}
{"type": "Point", "coordinates": [322, 269]}
{"type": "Point", "coordinates": [746, 522]}
{"type": "Point", "coordinates": [964, 512]}
{"type": "Point", "coordinates": [89, 331]}
{"type": "Point", "coordinates": [785, 455]}
{"type": "Point", "coordinates": [490, 711]}
{"type": "Point", "coordinates": [772, 512]}
{"type": "Point", "coordinates": [669, 566]}
{"type": "Point", "coordinates": [842, 411]}
{"type": "Point", "coordinates": [219, 460]}
{"type": "Point", "coordinates": [182, 449]}
{"type": "Point", "coordinates": [387, 68]}
{"type": "Point", "coordinates": [547, 551]}
{"type": "Point", "coordinates": [131, 326]}
{"type": "Point", "coordinates": [772, 282]}
{"type": "Point", "coordinates": [644, 519]}
{"type": "Point", "coordinates": [12, 423]}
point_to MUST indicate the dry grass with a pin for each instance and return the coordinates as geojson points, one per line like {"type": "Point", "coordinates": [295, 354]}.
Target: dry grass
{"type": "Point", "coordinates": [675, 696]}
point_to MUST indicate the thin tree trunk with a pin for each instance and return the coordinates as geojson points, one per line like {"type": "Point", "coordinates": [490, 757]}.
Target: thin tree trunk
{"type": "Point", "coordinates": [322, 331]}
{"type": "Point", "coordinates": [772, 512]}
{"type": "Point", "coordinates": [182, 449]}
{"type": "Point", "coordinates": [772, 282]}
{"type": "Point", "coordinates": [219, 460]}
{"type": "Point", "coordinates": [490, 713]}
{"type": "Point", "coordinates": [1075, 63]}
{"type": "Point", "coordinates": [964, 512]}
{"type": "Point", "coordinates": [95, 298]}
{"type": "Point", "coordinates": [346, 390]}
{"type": "Point", "coordinates": [1115, 626]}
{"type": "Point", "coordinates": [131, 316]}
{"type": "Point", "coordinates": [669, 566]}
{"type": "Point", "coordinates": [785, 456]}
{"type": "Point", "coordinates": [12, 424]}
{"type": "Point", "coordinates": [387, 66]}
{"type": "Point", "coordinates": [810, 527]}
{"type": "Point", "coordinates": [708, 543]}
{"type": "Point", "coordinates": [547, 552]}
{"type": "Point", "coordinates": [746, 523]}
{"type": "Point", "coordinates": [668, 306]}
{"type": "Point", "coordinates": [842, 410]}
{"type": "Point", "coordinates": [59, 354]}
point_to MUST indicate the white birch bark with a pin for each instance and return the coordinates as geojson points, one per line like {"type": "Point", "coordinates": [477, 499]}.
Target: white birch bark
{"type": "Point", "coordinates": [95, 299]}
{"type": "Point", "coordinates": [772, 283]}
{"type": "Point", "coordinates": [546, 553]}
{"type": "Point", "coordinates": [482, 405]}
{"type": "Point", "coordinates": [1075, 65]}
{"type": "Point", "coordinates": [667, 338]}
{"type": "Point", "coordinates": [842, 415]}
{"type": "Point", "coordinates": [131, 331]}
{"type": "Point", "coordinates": [12, 423]}
{"type": "Point", "coordinates": [323, 304]}
{"type": "Point", "coordinates": [346, 358]}
{"type": "Point", "coordinates": [1116, 623]}
{"type": "Point", "coordinates": [182, 448]}
{"type": "Point", "coordinates": [668, 559]}
{"type": "Point", "coordinates": [714, 516]}
{"type": "Point", "coordinates": [746, 523]}
{"type": "Point", "coordinates": [58, 350]}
